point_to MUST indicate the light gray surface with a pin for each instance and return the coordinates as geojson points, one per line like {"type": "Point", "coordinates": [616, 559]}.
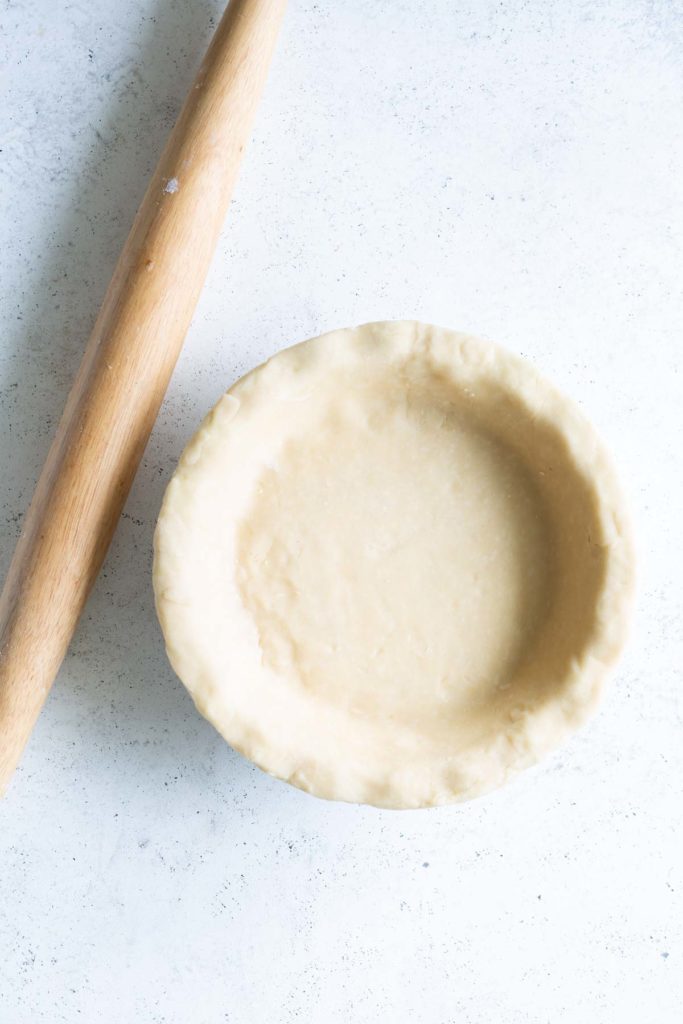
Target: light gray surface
{"type": "Point", "coordinates": [509, 169]}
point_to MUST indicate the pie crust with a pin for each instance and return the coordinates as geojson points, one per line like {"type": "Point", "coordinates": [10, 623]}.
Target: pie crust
{"type": "Point", "coordinates": [393, 566]}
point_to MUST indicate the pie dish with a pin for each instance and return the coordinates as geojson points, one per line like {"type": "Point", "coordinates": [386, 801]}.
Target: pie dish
{"type": "Point", "coordinates": [393, 566]}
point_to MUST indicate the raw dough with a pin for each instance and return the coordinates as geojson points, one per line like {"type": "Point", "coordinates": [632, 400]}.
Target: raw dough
{"type": "Point", "coordinates": [392, 566]}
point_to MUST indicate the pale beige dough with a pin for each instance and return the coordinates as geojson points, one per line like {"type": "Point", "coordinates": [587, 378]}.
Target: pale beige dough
{"type": "Point", "coordinates": [393, 567]}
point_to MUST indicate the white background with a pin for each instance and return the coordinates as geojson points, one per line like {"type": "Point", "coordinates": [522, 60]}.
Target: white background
{"type": "Point", "coordinates": [509, 169]}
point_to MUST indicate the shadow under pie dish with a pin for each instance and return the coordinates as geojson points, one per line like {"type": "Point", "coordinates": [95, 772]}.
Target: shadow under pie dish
{"type": "Point", "coordinates": [393, 566]}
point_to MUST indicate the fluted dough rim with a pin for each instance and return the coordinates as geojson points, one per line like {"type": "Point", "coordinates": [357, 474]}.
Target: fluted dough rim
{"type": "Point", "coordinates": [464, 360]}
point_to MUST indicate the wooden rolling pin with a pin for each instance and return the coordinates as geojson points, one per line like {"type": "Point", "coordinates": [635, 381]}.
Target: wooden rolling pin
{"type": "Point", "coordinates": [126, 368]}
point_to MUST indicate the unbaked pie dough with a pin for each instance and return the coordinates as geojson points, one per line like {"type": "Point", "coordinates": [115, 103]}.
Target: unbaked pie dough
{"type": "Point", "coordinates": [393, 567]}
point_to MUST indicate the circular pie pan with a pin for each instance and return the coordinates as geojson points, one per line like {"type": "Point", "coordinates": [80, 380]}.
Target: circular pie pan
{"type": "Point", "coordinates": [393, 566]}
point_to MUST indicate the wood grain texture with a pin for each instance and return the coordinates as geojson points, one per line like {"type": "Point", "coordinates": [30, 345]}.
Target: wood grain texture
{"type": "Point", "coordinates": [126, 368]}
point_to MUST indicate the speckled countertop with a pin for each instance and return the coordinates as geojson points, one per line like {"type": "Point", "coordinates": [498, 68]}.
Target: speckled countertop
{"type": "Point", "coordinates": [510, 169]}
